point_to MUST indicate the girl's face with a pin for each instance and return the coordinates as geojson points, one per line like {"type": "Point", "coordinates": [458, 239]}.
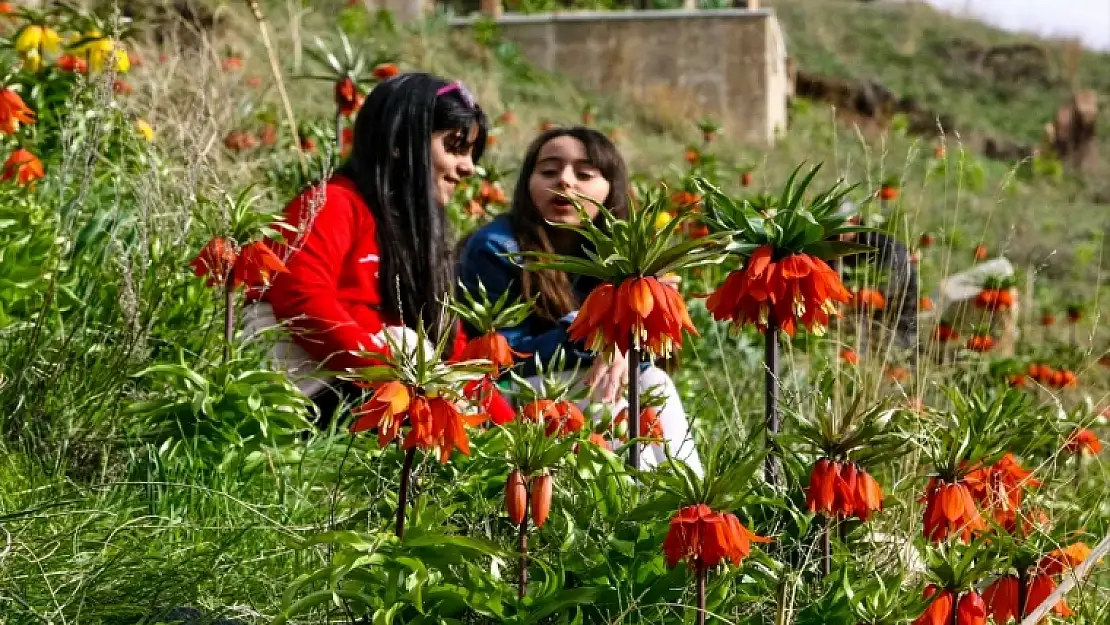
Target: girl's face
{"type": "Point", "coordinates": [452, 161]}
{"type": "Point", "coordinates": [562, 166]}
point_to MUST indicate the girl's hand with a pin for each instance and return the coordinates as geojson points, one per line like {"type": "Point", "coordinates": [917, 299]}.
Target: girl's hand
{"type": "Point", "coordinates": [606, 380]}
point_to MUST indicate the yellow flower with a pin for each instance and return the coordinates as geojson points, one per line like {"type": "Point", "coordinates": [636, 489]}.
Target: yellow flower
{"type": "Point", "coordinates": [144, 129]}
{"type": "Point", "coordinates": [662, 219]}
{"type": "Point", "coordinates": [103, 50]}
{"type": "Point", "coordinates": [32, 61]}
{"type": "Point", "coordinates": [38, 38]}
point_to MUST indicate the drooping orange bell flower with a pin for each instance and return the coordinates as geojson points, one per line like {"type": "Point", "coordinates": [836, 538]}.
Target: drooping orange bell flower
{"type": "Point", "coordinates": [493, 347]}
{"type": "Point", "coordinates": [842, 490]}
{"type": "Point", "coordinates": [1084, 441]}
{"type": "Point", "coordinates": [385, 410]}
{"type": "Point", "coordinates": [1063, 378]}
{"type": "Point", "coordinates": [971, 609]}
{"type": "Point", "coordinates": [1001, 597]}
{"type": "Point", "coordinates": [347, 96]}
{"type": "Point", "coordinates": [1064, 559]}
{"type": "Point", "coordinates": [945, 332]}
{"type": "Point", "coordinates": [869, 496]}
{"type": "Point", "coordinates": [24, 167]}
{"type": "Point", "coordinates": [72, 64]}
{"type": "Point", "coordinates": [1040, 588]}
{"type": "Point", "coordinates": [13, 111]}
{"type": "Point", "coordinates": [384, 71]}
{"type": "Point", "coordinates": [214, 261]}
{"type": "Point", "coordinates": [995, 299]}
{"type": "Point", "coordinates": [643, 310]}
{"type": "Point", "coordinates": [650, 427]}
{"type": "Point", "coordinates": [980, 343]}
{"type": "Point", "coordinates": [869, 299]}
{"type": "Point", "coordinates": [999, 488]}
{"type": "Point", "coordinates": [705, 538]}
{"type": "Point", "coordinates": [829, 492]}
{"type": "Point", "coordinates": [950, 510]}
{"type": "Point", "coordinates": [562, 417]}
{"type": "Point", "coordinates": [516, 497]}
{"type": "Point", "coordinates": [256, 265]}
{"type": "Point", "coordinates": [435, 423]}
{"type": "Point", "coordinates": [939, 610]}
{"type": "Point", "coordinates": [493, 403]}
{"type": "Point", "coordinates": [797, 289]}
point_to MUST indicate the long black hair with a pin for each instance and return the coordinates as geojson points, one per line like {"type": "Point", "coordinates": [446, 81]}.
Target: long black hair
{"type": "Point", "coordinates": [391, 165]}
{"type": "Point", "coordinates": [552, 289]}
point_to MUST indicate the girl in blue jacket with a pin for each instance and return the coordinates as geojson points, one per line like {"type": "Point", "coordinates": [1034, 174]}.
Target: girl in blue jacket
{"type": "Point", "coordinates": [578, 162]}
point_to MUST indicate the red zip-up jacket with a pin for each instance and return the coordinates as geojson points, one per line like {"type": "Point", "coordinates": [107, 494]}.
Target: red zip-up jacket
{"type": "Point", "coordinates": [329, 299]}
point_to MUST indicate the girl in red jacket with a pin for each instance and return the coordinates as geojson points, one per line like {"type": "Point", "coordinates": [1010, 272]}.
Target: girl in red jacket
{"type": "Point", "coordinates": [371, 254]}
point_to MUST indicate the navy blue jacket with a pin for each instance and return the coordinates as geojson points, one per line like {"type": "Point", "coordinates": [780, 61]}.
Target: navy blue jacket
{"type": "Point", "coordinates": [481, 260]}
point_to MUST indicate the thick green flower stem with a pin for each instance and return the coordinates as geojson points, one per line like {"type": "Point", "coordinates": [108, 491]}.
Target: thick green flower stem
{"type": "Point", "coordinates": [634, 402]}
{"type": "Point", "coordinates": [826, 547]}
{"type": "Point", "coordinates": [701, 575]}
{"type": "Point", "coordinates": [229, 315]}
{"type": "Point", "coordinates": [523, 550]}
{"type": "Point", "coordinates": [771, 396]}
{"type": "Point", "coordinates": [403, 496]}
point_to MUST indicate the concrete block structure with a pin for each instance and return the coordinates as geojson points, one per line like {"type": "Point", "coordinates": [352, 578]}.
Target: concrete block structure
{"type": "Point", "coordinates": [729, 64]}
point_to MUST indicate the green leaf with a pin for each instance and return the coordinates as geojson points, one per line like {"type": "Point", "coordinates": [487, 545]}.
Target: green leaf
{"type": "Point", "coordinates": [563, 601]}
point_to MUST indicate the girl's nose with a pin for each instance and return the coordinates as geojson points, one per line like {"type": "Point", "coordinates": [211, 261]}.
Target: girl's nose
{"type": "Point", "coordinates": [566, 180]}
{"type": "Point", "coordinates": [465, 167]}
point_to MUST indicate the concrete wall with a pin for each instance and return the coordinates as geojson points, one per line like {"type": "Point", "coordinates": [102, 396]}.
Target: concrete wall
{"type": "Point", "coordinates": [729, 64]}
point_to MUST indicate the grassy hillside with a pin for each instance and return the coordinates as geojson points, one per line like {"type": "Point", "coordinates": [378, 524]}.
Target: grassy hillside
{"type": "Point", "coordinates": [920, 52]}
{"type": "Point", "coordinates": [107, 522]}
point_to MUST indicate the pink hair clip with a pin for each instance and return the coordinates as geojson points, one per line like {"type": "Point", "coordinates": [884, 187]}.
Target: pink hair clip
{"type": "Point", "coordinates": [464, 93]}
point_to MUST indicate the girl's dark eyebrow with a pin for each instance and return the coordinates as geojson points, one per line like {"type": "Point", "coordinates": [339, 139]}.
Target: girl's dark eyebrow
{"type": "Point", "coordinates": [555, 159]}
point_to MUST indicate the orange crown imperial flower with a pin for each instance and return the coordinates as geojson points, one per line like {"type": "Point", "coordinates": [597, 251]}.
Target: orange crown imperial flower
{"type": "Point", "coordinates": [434, 422]}
{"type": "Point", "coordinates": [24, 167]}
{"type": "Point", "coordinates": [384, 71]}
{"type": "Point", "coordinates": [254, 266]}
{"type": "Point", "coordinates": [1000, 488]}
{"type": "Point", "coordinates": [347, 96]}
{"type": "Point", "coordinates": [13, 112]}
{"type": "Point", "coordinates": [631, 306]}
{"type": "Point", "coordinates": [705, 538]}
{"type": "Point", "coordinates": [641, 311]}
{"type": "Point", "coordinates": [838, 489]}
{"type": "Point", "coordinates": [786, 280]}
{"type": "Point", "coordinates": [215, 261]}
{"type": "Point", "coordinates": [493, 347]}
{"type": "Point", "coordinates": [944, 608]}
{"type": "Point", "coordinates": [1063, 559]}
{"type": "Point", "coordinates": [869, 299]}
{"type": "Point", "coordinates": [950, 510]}
{"type": "Point", "coordinates": [797, 289]}
{"type": "Point", "coordinates": [561, 416]}
{"type": "Point", "coordinates": [1084, 441]}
